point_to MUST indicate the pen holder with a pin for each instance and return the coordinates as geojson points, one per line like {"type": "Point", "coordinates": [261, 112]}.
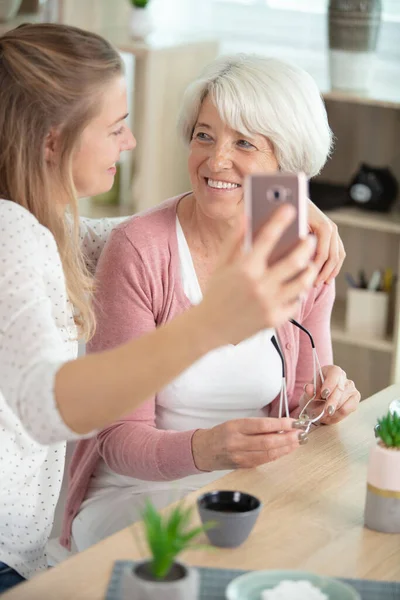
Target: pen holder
{"type": "Point", "coordinates": [367, 312]}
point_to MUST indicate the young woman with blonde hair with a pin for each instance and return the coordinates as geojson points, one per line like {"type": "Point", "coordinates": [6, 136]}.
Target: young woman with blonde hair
{"type": "Point", "coordinates": [62, 128]}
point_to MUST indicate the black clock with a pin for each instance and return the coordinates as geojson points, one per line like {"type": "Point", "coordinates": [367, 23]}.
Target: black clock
{"type": "Point", "coordinates": [373, 188]}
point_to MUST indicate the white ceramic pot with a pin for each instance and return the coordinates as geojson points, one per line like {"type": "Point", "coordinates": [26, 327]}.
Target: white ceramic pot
{"type": "Point", "coordinates": [353, 29]}
{"type": "Point", "coordinates": [382, 506]}
{"type": "Point", "coordinates": [141, 23]}
{"type": "Point", "coordinates": [8, 9]}
{"type": "Point", "coordinates": [136, 587]}
{"type": "Point", "coordinates": [351, 71]}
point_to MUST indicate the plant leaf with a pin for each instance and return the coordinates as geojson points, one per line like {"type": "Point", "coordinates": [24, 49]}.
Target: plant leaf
{"type": "Point", "coordinates": [168, 534]}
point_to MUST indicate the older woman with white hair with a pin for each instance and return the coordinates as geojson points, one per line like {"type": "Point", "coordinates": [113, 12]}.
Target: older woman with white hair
{"type": "Point", "coordinates": [244, 115]}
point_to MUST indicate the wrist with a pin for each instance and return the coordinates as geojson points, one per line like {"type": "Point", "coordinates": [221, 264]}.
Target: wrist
{"type": "Point", "coordinates": [199, 452]}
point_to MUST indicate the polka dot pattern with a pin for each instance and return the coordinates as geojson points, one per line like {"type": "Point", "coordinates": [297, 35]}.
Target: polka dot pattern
{"type": "Point", "coordinates": [37, 335]}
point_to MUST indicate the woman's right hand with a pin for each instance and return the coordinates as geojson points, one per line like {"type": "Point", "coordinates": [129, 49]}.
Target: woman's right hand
{"type": "Point", "coordinates": [245, 443]}
{"type": "Point", "coordinates": [245, 295]}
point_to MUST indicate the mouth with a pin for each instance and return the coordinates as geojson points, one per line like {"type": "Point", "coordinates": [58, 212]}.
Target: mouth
{"type": "Point", "coordinates": [219, 184]}
{"type": "Point", "coordinates": [112, 169]}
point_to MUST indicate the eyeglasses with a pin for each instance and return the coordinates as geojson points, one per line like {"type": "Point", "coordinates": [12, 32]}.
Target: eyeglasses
{"type": "Point", "coordinates": [306, 415]}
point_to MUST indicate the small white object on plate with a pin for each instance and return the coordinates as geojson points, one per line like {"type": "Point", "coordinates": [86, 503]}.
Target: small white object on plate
{"type": "Point", "coordinates": [294, 590]}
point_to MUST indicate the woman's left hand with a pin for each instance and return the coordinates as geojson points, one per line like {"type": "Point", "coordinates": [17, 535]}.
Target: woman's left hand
{"type": "Point", "coordinates": [330, 252]}
{"type": "Point", "coordinates": [339, 394]}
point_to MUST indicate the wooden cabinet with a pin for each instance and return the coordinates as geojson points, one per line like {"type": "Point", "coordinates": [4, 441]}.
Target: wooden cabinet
{"type": "Point", "coordinates": [365, 132]}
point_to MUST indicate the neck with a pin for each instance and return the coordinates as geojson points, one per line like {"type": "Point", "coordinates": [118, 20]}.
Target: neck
{"type": "Point", "coordinates": [203, 232]}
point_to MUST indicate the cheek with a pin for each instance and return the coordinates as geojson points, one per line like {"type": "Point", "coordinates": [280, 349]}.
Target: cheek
{"type": "Point", "coordinates": [195, 159]}
{"type": "Point", "coordinates": [82, 166]}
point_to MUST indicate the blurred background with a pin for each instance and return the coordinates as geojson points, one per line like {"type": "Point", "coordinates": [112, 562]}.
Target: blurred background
{"type": "Point", "coordinates": [352, 49]}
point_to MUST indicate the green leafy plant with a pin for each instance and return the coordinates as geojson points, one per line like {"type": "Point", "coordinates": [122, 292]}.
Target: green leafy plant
{"type": "Point", "coordinates": [139, 3]}
{"type": "Point", "coordinates": [388, 430]}
{"type": "Point", "coordinates": [167, 535]}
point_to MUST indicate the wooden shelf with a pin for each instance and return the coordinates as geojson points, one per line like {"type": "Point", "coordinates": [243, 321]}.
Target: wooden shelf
{"type": "Point", "coordinates": [354, 217]}
{"type": "Point", "coordinates": [339, 333]}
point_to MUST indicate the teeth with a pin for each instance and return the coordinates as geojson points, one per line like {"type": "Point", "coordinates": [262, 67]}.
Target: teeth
{"type": "Point", "coordinates": [222, 184]}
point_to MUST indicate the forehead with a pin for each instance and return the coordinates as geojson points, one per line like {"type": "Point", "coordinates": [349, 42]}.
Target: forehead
{"type": "Point", "coordinates": [225, 115]}
{"type": "Point", "coordinates": [113, 102]}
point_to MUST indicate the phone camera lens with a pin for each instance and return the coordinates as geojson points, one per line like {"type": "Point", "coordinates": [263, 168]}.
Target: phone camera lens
{"type": "Point", "coordinates": [276, 194]}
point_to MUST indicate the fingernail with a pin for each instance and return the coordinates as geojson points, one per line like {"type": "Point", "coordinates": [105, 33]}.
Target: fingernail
{"type": "Point", "coordinates": [304, 386]}
{"type": "Point", "coordinates": [330, 410]}
{"type": "Point", "coordinates": [325, 394]}
{"type": "Point", "coordinates": [299, 425]}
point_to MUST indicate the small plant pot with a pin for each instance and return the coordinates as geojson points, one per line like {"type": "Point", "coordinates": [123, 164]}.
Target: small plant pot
{"type": "Point", "coordinates": [382, 506]}
{"type": "Point", "coordinates": [181, 583]}
{"type": "Point", "coordinates": [141, 23]}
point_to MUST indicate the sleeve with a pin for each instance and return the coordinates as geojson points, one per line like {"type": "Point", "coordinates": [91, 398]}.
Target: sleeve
{"type": "Point", "coordinates": [93, 235]}
{"type": "Point", "coordinates": [318, 321]}
{"type": "Point", "coordinates": [31, 348]}
{"type": "Point", "coordinates": [133, 446]}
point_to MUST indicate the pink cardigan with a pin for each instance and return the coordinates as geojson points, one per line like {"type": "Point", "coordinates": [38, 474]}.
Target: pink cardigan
{"type": "Point", "coordinates": [139, 288]}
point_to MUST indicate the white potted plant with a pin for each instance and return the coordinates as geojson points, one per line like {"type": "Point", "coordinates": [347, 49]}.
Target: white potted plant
{"type": "Point", "coordinates": [382, 507]}
{"type": "Point", "coordinates": [162, 577]}
{"type": "Point", "coordinates": [141, 23]}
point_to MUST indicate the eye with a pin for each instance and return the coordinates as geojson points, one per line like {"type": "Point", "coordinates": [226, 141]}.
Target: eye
{"type": "Point", "coordinates": [246, 145]}
{"type": "Point", "coordinates": [203, 137]}
{"type": "Point", "coordinates": [118, 132]}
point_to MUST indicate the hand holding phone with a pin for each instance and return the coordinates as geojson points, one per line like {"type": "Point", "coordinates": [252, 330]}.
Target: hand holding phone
{"type": "Point", "coordinates": [263, 193]}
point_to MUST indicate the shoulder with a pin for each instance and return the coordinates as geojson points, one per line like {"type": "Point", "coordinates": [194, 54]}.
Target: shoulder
{"type": "Point", "coordinates": [20, 231]}
{"type": "Point", "coordinates": [319, 299]}
{"type": "Point", "coordinates": [153, 227]}
{"type": "Point", "coordinates": [14, 216]}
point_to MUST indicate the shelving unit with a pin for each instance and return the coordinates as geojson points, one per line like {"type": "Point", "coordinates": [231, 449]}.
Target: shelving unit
{"type": "Point", "coordinates": [340, 335]}
{"type": "Point", "coordinates": [372, 240]}
{"type": "Point", "coordinates": [366, 129]}
{"type": "Point", "coordinates": [354, 217]}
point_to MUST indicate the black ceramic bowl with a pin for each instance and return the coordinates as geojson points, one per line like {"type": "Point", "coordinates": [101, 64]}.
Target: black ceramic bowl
{"type": "Point", "coordinates": [233, 514]}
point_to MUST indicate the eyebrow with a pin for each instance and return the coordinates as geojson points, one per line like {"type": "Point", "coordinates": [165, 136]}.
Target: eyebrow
{"type": "Point", "coordinates": [239, 133]}
{"type": "Point", "coordinates": [120, 119]}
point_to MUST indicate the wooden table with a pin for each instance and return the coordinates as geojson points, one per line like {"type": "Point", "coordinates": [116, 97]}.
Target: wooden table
{"type": "Point", "coordinates": [312, 518]}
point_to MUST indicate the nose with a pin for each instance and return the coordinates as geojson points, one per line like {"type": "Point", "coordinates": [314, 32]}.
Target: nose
{"type": "Point", "coordinates": [129, 141]}
{"type": "Point", "coordinates": [220, 158]}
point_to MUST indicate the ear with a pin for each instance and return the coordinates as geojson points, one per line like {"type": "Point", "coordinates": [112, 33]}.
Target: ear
{"type": "Point", "coordinates": [51, 146]}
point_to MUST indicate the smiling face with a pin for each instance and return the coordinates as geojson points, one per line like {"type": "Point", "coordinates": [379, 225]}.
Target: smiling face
{"type": "Point", "coordinates": [219, 160]}
{"type": "Point", "coordinates": [102, 141]}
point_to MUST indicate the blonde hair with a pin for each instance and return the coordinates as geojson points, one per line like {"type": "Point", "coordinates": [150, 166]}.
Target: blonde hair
{"type": "Point", "coordinates": [258, 95]}
{"type": "Point", "coordinates": [50, 80]}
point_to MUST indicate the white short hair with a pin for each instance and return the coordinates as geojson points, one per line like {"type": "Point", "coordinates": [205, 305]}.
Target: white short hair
{"type": "Point", "coordinates": [267, 96]}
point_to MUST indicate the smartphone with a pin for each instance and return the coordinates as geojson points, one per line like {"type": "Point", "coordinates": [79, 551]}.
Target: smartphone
{"type": "Point", "coordinates": [263, 193]}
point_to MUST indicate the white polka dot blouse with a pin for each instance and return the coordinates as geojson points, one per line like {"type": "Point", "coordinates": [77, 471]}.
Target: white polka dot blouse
{"type": "Point", "coordinates": [37, 335]}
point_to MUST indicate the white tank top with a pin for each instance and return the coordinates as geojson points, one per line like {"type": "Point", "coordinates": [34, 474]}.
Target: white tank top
{"type": "Point", "coordinates": [228, 383]}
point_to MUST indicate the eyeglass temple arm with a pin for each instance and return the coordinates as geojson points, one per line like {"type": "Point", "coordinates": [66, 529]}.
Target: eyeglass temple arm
{"type": "Point", "coordinates": [276, 345]}
{"type": "Point", "coordinates": [296, 324]}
